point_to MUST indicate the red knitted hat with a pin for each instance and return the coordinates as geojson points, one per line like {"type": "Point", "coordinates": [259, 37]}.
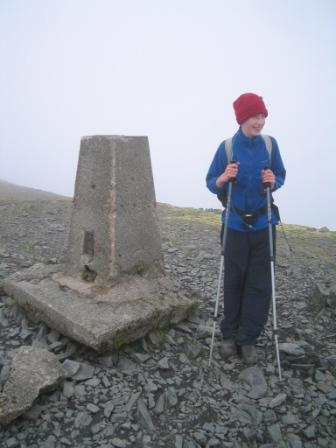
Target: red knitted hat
{"type": "Point", "coordinates": [247, 105]}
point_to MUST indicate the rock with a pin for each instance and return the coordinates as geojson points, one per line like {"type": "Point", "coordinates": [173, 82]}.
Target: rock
{"type": "Point", "coordinates": [12, 443]}
{"type": "Point", "coordinates": [324, 229]}
{"type": "Point", "coordinates": [184, 359]}
{"type": "Point", "coordinates": [68, 389]}
{"type": "Point", "coordinates": [132, 401]}
{"type": "Point", "coordinates": [274, 432]}
{"type": "Point", "coordinates": [4, 373]}
{"type": "Point", "coordinates": [294, 441]}
{"type": "Point", "coordinates": [270, 416]}
{"type": "Point", "coordinates": [83, 420]}
{"type": "Point", "coordinates": [53, 336]}
{"type": "Point", "coordinates": [84, 372]}
{"type": "Point", "coordinates": [164, 363]}
{"type": "Point", "coordinates": [161, 404]}
{"type": "Point", "coordinates": [3, 321]}
{"type": "Point", "coordinates": [331, 299]}
{"type": "Point", "coordinates": [155, 338]}
{"type": "Point", "coordinates": [141, 357]}
{"type": "Point", "coordinates": [118, 443]}
{"type": "Point", "coordinates": [144, 416]}
{"type": "Point", "coordinates": [171, 396]}
{"type": "Point", "coordinates": [324, 296]}
{"type": "Point", "coordinates": [70, 368]}
{"type": "Point", "coordinates": [254, 378]}
{"type": "Point", "coordinates": [278, 400]}
{"type": "Point", "coordinates": [97, 428]}
{"type": "Point", "coordinates": [254, 414]}
{"type": "Point", "coordinates": [178, 441]}
{"type": "Point", "coordinates": [108, 408]}
{"type": "Point", "coordinates": [290, 419]}
{"type": "Point", "coordinates": [127, 366]}
{"type": "Point", "coordinates": [310, 432]}
{"type": "Point", "coordinates": [194, 349]}
{"type": "Point", "coordinates": [290, 348]}
{"type": "Point", "coordinates": [33, 371]}
{"type": "Point", "coordinates": [200, 437]}
{"type": "Point", "coordinates": [92, 408]}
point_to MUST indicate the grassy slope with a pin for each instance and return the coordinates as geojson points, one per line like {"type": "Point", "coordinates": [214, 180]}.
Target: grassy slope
{"type": "Point", "coordinates": [308, 243]}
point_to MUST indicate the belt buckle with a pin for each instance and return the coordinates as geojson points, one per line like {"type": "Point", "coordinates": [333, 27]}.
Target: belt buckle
{"type": "Point", "coordinates": [248, 218]}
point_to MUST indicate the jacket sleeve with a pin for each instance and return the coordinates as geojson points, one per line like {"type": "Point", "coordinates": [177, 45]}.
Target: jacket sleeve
{"type": "Point", "coordinates": [217, 167]}
{"type": "Point", "coordinates": [277, 166]}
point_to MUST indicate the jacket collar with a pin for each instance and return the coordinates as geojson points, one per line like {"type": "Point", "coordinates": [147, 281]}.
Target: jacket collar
{"type": "Point", "coordinates": [240, 136]}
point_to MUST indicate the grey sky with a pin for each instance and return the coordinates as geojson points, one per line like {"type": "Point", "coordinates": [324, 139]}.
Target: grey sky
{"type": "Point", "coordinates": [169, 70]}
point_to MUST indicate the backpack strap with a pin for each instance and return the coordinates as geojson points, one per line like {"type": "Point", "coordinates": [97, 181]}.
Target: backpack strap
{"type": "Point", "coordinates": [229, 151]}
{"type": "Point", "coordinates": [268, 143]}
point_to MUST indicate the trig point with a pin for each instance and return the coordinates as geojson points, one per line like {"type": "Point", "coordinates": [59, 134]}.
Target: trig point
{"type": "Point", "coordinates": [112, 288]}
{"type": "Point", "coordinates": [114, 229]}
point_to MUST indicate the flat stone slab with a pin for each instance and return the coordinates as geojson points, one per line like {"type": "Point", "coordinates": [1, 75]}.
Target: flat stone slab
{"type": "Point", "coordinates": [102, 318]}
{"type": "Point", "coordinates": [33, 371]}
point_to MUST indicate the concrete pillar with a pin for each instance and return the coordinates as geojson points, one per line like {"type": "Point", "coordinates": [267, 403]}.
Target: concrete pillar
{"type": "Point", "coordinates": [114, 228]}
{"type": "Point", "coordinates": [112, 288]}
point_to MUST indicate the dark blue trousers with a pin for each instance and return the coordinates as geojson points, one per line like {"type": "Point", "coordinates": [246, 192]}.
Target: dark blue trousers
{"type": "Point", "coordinates": [247, 285]}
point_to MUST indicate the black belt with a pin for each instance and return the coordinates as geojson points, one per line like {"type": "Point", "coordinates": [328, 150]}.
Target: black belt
{"type": "Point", "coordinates": [250, 217]}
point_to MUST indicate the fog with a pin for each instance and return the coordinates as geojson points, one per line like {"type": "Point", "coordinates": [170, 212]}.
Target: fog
{"type": "Point", "coordinates": [169, 70]}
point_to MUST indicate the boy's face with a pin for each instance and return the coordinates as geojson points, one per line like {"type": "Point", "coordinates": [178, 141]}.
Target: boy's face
{"type": "Point", "coordinates": [253, 125]}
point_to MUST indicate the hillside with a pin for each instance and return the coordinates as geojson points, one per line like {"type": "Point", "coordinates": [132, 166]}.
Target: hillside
{"type": "Point", "coordinates": [160, 392]}
{"type": "Point", "coordinates": [12, 192]}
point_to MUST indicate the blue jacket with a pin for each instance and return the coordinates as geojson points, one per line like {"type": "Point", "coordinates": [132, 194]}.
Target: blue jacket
{"type": "Point", "coordinates": [252, 155]}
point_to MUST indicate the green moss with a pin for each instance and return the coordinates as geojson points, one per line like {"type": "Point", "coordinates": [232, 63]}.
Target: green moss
{"type": "Point", "coordinates": [118, 341]}
{"type": "Point", "coordinates": [163, 333]}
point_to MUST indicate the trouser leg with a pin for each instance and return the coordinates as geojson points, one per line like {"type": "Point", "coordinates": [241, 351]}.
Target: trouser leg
{"type": "Point", "coordinates": [235, 262]}
{"type": "Point", "coordinates": [257, 291]}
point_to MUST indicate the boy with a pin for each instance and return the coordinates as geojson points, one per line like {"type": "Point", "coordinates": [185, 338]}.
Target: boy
{"type": "Point", "coordinates": [247, 277]}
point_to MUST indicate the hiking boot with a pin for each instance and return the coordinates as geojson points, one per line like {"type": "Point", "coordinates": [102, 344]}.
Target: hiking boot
{"type": "Point", "coordinates": [249, 354]}
{"type": "Point", "coordinates": [228, 348]}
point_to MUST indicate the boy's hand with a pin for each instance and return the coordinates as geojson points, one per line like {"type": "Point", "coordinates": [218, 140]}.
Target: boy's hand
{"type": "Point", "coordinates": [268, 177]}
{"type": "Point", "coordinates": [230, 173]}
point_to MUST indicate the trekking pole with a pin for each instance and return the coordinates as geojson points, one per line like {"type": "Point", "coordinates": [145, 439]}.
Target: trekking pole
{"type": "Point", "coordinates": [271, 252]}
{"type": "Point", "coordinates": [221, 265]}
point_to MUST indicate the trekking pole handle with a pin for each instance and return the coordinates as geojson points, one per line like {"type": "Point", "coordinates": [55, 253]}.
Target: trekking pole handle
{"type": "Point", "coordinates": [266, 184]}
{"type": "Point", "coordinates": [233, 179]}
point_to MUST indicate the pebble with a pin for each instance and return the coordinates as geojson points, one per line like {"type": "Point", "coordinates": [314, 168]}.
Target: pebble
{"type": "Point", "coordinates": [294, 441]}
{"type": "Point", "coordinates": [70, 368]}
{"type": "Point", "coordinates": [275, 433]}
{"type": "Point", "coordinates": [291, 349]}
{"type": "Point", "coordinates": [144, 416]}
{"type": "Point", "coordinates": [12, 443]}
{"type": "Point", "coordinates": [92, 408]}
{"type": "Point", "coordinates": [254, 378]}
{"type": "Point", "coordinates": [84, 372]}
{"type": "Point", "coordinates": [278, 400]}
{"type": "Point", "coordinates": [118, 443]}
{"type": "Point", "coordinates": [108, 409]}
{"type": "Point", "coordinates": [83, 420]}
{"type": "Point", "coordinates": [164, 363]}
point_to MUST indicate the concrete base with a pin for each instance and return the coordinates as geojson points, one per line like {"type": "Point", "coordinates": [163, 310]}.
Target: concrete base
{"type": "Point", "coordinates": [101, 318]}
